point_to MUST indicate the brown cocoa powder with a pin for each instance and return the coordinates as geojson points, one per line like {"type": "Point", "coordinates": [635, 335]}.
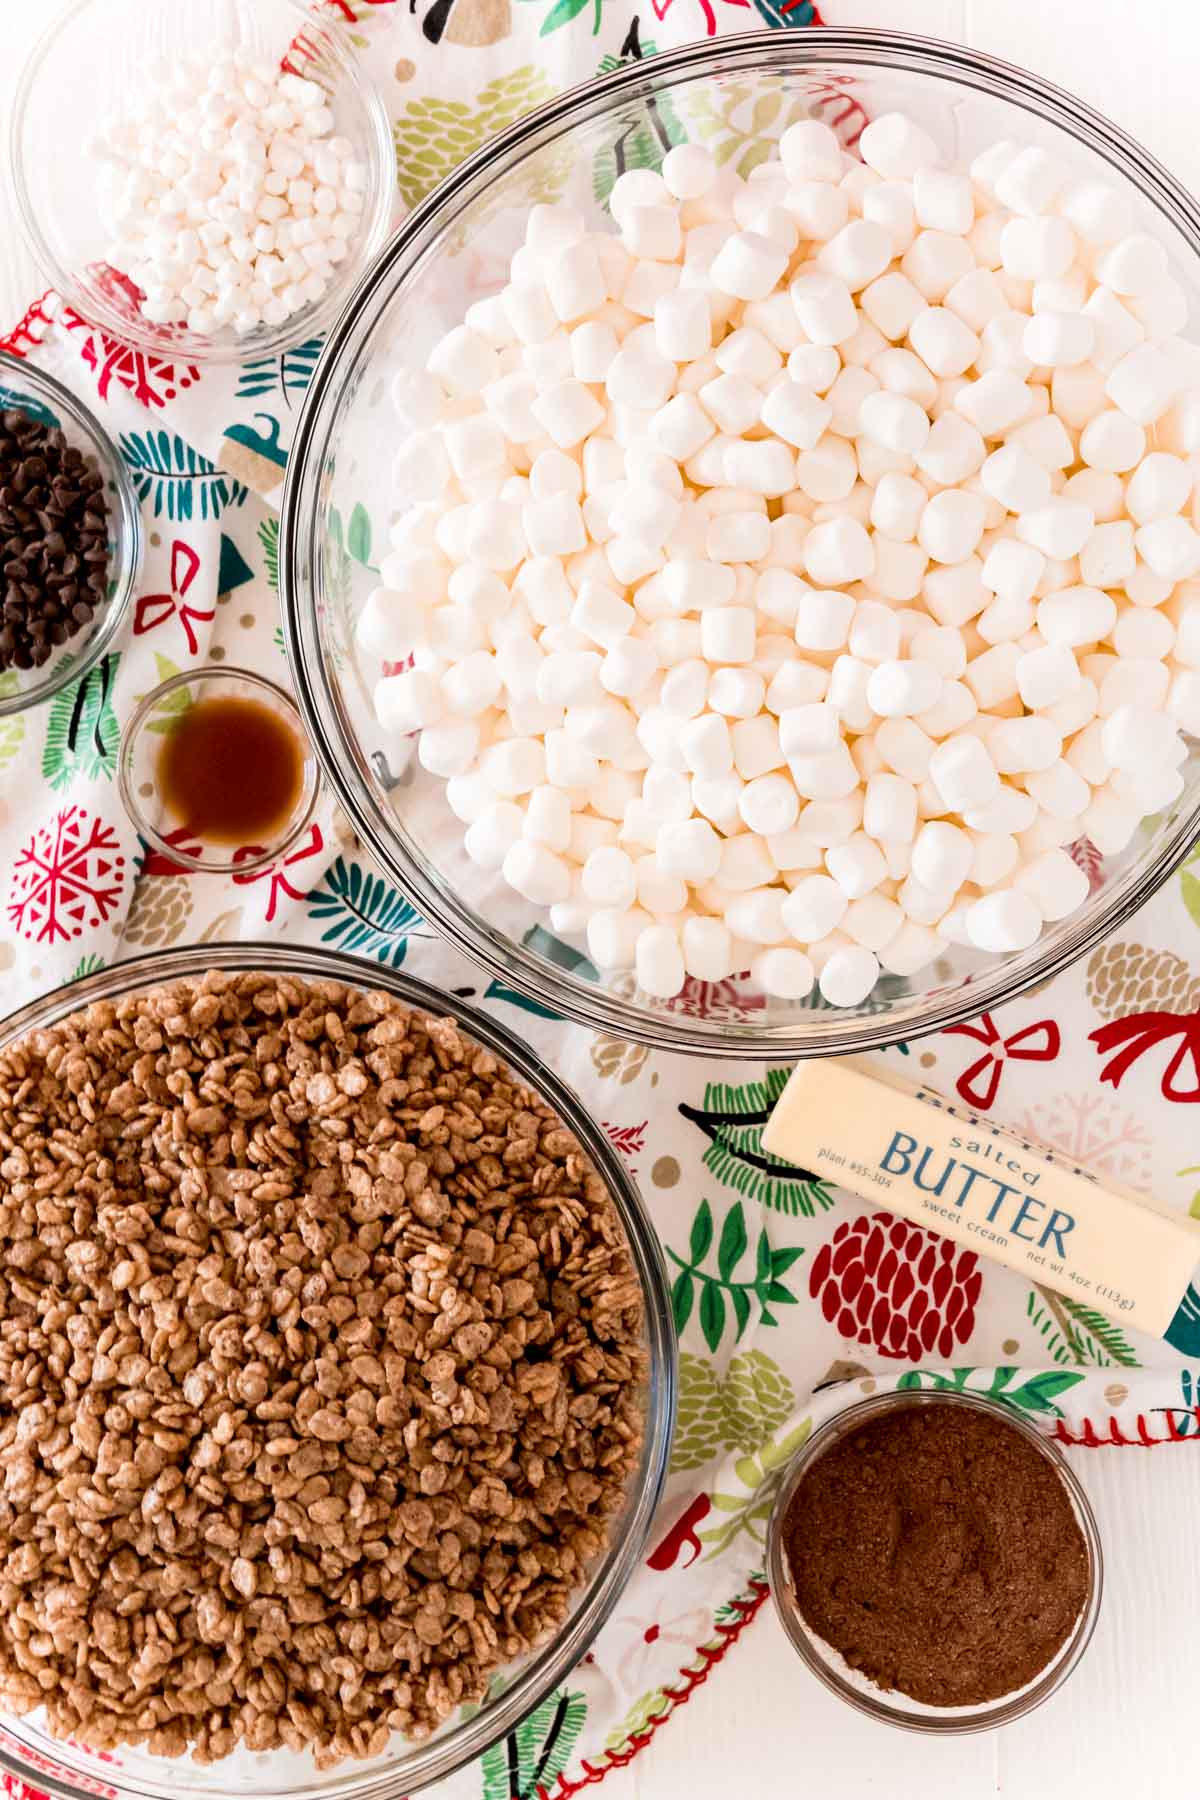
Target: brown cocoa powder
{"type": "Point", "coordinates": [939, 1552]}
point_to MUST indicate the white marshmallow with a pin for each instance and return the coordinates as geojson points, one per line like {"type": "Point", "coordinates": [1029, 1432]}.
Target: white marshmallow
{"type": "Point", "coordinates": [1004, 921]}
{"type": "Point", "coordinates": [849, 975]}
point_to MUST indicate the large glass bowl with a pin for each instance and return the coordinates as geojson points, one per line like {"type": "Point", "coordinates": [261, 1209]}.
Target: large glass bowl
{"type": "Point", "coordinates": [738, 94]}
{"type": "Point", "coordinates": [73, 1772]}
{"type": "Point", "coordinates": [79, 73]}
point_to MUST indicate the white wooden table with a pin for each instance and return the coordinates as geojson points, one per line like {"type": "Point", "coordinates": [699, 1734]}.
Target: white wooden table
{"type": "Point", "coordinates": [1124, 1727]}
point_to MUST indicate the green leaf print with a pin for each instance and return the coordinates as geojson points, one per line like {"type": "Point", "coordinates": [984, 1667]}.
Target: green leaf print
{"type": "Point", "coordinates": [82, 734]}
{"type": "Point", "coordinates": [736, 1411]}
{"type": "Point", "coordinates": [287, 374]}
{"type": "Point", "coordinates": [530, 1759]}
{"type": "Point", "coordinates": [358, 535]}
{"type": "Point", "coordinates": [166, 714]}
{"type": "Point", "coordinates": [563, 11]}
{"type": "Point", "coordinates": [12, 731]}
{"type": "Point", "coordinates": [176, 479]}
{"type": "Point", "coordinates": [737, 126]}
{"type": "Point", "coordinates": [683, 1294]}
{"type": "Point", "coordinates": [1075, 1333]}
{"type": "Point", "coordinates": [712, 1314]}
{"type": "Point", "coordinates": [733, 1243]}
{"type": "Point", "coordinates": [732, 1118]}
{"type": "Point", "coordinates": [1036, 1395]}
{"type": "Point", "coordinates": [764, 1286]}
{"type": "Point", "coordinates": [702, 1232]}
{"type": "Point", "coordinates": [1189, 883]}
{"type": "Point", "coordinates": [643, 1713]}
{"type": "Point", "coordinates": [268, 537]}
{"type": "Point", "coordinates": [366, 916]}
{"type": "Point", "coordinates": [87, 965]}
{"type": "Point", "coordinates": [760, 1475]}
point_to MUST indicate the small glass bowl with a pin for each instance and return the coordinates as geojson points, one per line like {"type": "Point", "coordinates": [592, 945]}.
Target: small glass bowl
{"type": "Point", "coordinates": [891, 1707]}
{"type": "Point", "coordinates": [159, 713]}
{"type": "Point", "coordinates": [26, 389]}
{"type": "Point", "coordinates": [79, 70]}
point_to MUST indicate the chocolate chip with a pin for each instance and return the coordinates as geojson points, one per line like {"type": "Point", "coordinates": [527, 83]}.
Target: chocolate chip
{"type": "Point", "coordinates": [54, 553]}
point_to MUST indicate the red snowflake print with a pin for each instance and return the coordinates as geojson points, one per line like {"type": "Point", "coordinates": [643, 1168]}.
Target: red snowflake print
{"type": "Point", "coordinates": [277, 872]}
{"type": "Point", "coordinates": [153, 610]}
{"type": "Point", "coordinates": [31, 328]}
{"type": "Point", "coordinates": [152, 380]}
{"type": "Point", "coordinates": [980, 1083]}
{"type": "Point", "coordinates": [68, 878]}
{"type": "Point", "coordinates": [902, 1290]}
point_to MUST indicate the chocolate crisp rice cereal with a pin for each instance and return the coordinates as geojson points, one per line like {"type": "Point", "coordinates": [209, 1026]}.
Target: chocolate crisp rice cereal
{"type": "Point", "coordinates": [320, 1368]}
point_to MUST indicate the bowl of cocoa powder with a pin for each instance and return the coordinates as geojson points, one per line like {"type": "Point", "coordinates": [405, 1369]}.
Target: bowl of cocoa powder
{"type": "Point", "coordinates": [934, 1560]}
{"type": "Point", "coordinates": [336, 1380]}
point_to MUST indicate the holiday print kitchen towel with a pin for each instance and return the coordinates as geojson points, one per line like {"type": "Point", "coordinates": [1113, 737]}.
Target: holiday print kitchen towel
{"type": "Point", "coordinates": [779, 1283]}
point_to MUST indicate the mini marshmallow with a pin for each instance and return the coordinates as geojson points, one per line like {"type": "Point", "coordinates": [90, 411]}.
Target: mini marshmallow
{"type": "Point", "coordinates": [963, 773]}
{"type": "Point", "coordinates": [900, 688]}
{"type": "Point", "coordinates": [849, 975]}
{"type": "Point", "coordinates": [1135, 734]}
{"type": "Point", "coordinates": [748, 266]}
{"type": "Point", "coordinates": [783, 973]}
{"type": "Point", "coordinates": [1076, 615]}
{"type": "Point", "coordinates": [1143, 383]}
{"type": "Point", "coordinates": [1007, 920]}
{"type": "Point", "coordinates": [893, 422]}
{"type": "Point", "coordinates": [814, 907]}
{"type": "Point", "coordinates": [825, 307]}
{"type": "Point", "coordinates": [708, 952]}
{"type": "Point", "coordinates": [895, 147]}
{"type": "Point", "coordinates": [951, 526]}
{"type": "Point", "coordinates": [690, 849]}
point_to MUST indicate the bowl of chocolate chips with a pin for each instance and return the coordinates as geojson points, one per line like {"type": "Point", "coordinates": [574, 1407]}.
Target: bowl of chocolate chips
{"type": "Point", "coordinates": [70, 538]}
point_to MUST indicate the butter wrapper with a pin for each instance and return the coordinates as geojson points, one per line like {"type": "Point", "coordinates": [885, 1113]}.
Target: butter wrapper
{"type": "Point", "coordinates": [997, 1192]}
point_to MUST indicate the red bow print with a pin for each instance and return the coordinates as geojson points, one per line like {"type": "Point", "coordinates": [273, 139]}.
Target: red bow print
{"type": "Point", "coordinates": [988, 1068]}
{"type": "Point", "coordinates": [1140, 1032]}
{"type": "Point", "coordinates": [682, 1536]}
{"type": "Point", "coordinates": [154, 610]}
{"type": "Point", "coordinates": [277, 872]}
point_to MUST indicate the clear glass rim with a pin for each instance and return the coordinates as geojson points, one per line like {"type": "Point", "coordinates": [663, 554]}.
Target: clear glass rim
{"type": "Point", "coordinates": [16, 373]}
{"type": "Point", "coordinates": [211, 675]}
{"type": "Point", "coordinates": [312, 321]}
{"type": "Point", "coordinates": [435, 1760]}
{"type": "Point", "coordinates": [345, 766]}
{"type": "Point", "coordinates": [957, 1722]}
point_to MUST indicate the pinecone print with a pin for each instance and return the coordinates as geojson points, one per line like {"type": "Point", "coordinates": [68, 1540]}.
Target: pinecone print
{"type": "Point", "coordinates": [434, 136]}
{"type": "Point", "coordinates": [758, 1398]}
{"type": "Point", "coordinates": [617, 1060]}
{"type": "Point", "coordinates": [700, 1421]}
{"type": "Point", "coordinates": [735, 1413]}
{"type": "Point", "coordinates": [902, 1289]}
{"type": "Point", "coordinates": [160, 910]}
{"type": "Point", "coordinates": [1130, 978]}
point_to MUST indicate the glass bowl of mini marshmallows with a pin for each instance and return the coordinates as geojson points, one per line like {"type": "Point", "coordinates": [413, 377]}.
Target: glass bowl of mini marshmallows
{"type": "Point", "coordinates": [770, 624]}
{"type": "Point", "coordinates": [221, 206]}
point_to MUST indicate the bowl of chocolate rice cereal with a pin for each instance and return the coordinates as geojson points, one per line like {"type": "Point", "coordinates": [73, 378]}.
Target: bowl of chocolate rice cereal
{"type": "Point", "coordinates": [336, 1380]}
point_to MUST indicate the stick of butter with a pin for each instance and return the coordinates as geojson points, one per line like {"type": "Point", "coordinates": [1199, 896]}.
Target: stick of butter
{"type": "Point", "coordinates": [1000, 1193]}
